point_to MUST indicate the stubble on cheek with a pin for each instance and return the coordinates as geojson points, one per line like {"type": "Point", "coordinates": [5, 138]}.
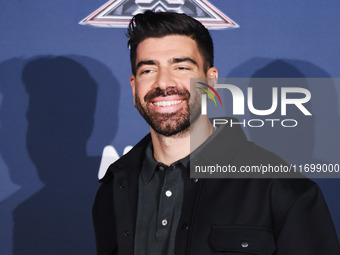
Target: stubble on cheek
{"type": "Point", "coordinates": [166, 124]}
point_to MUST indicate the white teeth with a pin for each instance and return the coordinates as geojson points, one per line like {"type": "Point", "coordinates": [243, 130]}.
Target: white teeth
{"type": "Point", "coordinates": [167, 103]}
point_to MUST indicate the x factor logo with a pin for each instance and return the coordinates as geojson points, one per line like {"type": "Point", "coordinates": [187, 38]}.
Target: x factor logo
{"type": "Point", "coordinates": [118, 13]}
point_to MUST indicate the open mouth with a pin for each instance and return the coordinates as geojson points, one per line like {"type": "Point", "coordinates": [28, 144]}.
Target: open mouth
{"type": "Point", "coordinates": [167, 103]}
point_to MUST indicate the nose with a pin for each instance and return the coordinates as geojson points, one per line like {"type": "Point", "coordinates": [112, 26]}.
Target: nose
{"type": "Point", "coordinates": [164, 79]}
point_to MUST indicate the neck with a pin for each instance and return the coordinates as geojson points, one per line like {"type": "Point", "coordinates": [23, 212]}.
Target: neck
{"type": "Point", "coordinates": [171, 149]}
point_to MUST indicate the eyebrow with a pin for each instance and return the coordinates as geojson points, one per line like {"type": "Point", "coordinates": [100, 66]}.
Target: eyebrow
{"type": "Point", "coordinates": [180, 60]}
{"type": "Point", "coordinates": [173, 61]}
{"type": "Point", "coordinates": [145, 62]}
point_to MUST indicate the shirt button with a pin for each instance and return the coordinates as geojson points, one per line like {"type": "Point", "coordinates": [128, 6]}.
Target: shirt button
{"type": "Point", "coordinates": [161, 168]}
{"type": "Point", "coordinates": [195, 180]}
{"type": "Point", "coordinates": [164, 222]}
{"type": "Point", "coordinates": [244, 244]}
{"type": "Point", "coordinates": [168, 193]}
{"type": "Point", "coordinates": [126, 233]}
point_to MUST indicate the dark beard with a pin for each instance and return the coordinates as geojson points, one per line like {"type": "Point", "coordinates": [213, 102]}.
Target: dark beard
{"type": "Point", "coordinates": [168, 124]}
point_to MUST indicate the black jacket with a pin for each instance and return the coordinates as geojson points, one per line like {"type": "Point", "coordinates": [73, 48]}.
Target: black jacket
{"type": "Point", "coordinates": [221, 216]}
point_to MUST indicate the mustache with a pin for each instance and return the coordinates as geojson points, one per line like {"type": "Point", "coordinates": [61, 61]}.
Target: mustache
{"type": "Point", "coordinates": [169, 91]}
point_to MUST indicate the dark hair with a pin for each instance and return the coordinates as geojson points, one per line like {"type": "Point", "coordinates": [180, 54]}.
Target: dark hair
{"type": "Point", "coordinates": [160, 24]}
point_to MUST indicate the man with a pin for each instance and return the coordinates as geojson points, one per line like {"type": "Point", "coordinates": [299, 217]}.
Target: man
{"type": "Point", "coordinates": [147, 203]}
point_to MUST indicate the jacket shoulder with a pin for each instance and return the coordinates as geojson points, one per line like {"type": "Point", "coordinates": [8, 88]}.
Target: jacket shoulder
{"type": "Point", "coordinates": [260, 155]}
{"type": "Point", "coordinates": [130, 160]}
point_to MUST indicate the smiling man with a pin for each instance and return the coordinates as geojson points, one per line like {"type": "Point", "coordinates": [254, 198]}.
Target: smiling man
{"type": "Point", "coordinates": [147, 203]}
{"type": "Point", "coordinates": [160, 86]}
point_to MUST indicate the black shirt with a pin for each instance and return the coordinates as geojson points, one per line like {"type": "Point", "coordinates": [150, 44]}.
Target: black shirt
{"type": "Point", "coordinates": [159, 208]}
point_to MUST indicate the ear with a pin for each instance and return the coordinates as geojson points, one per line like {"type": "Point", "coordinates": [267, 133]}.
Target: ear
{"type": "Point", "coordinates": [212, 73]}
{"type": "Point", "coordinates": [133, 86]}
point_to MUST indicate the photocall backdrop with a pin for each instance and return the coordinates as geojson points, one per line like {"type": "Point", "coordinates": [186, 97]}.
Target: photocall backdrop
{"type": "Point", "coordinates": [65, 96]}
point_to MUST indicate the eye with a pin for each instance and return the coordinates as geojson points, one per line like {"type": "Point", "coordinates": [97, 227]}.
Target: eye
{"type": "Point", "coordinates": [182, 68]}
{"type": "Point", "coordinates": [146, 71]}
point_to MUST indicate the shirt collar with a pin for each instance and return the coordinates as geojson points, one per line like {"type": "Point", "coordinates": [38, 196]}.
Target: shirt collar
{"type": "Point", "coordinates": [225, 146]}
{"type": "Point", "coordinates": [150, 165]}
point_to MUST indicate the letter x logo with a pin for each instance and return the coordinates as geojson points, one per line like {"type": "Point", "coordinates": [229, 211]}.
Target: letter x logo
{"type": "Point", "coordinates": [117, 13]}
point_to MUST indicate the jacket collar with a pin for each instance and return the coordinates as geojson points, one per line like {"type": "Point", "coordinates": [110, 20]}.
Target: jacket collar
{"type": "Point", "coordinates": [132, 160]}
{"type": "Point", "coordinates": [223, 144]}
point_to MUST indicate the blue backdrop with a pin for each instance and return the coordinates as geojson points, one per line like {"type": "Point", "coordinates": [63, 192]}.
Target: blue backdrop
{"type": "Point", "coordinates": [65, 95]}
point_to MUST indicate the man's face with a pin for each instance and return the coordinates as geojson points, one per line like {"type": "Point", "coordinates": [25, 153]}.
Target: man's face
{"type": "Point", "coordinates": [161, 86]}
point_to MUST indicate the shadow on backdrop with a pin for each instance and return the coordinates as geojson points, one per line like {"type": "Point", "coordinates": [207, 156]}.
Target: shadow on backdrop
{"type": "Point", "coordinates": [19, 179]}
{"type": "Point", "coordinates": [106, 114]}
{"type": "Point", "coordinates": [316, 138]}
{"type": "Point", "coordinates": [61, 118]}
